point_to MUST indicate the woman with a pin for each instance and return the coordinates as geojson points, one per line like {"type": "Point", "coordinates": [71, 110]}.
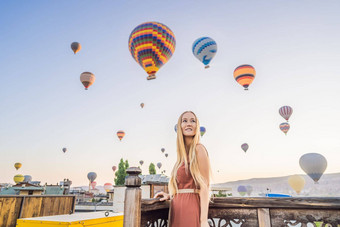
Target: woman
{"type": "Point", "coordinates": [190, 177]}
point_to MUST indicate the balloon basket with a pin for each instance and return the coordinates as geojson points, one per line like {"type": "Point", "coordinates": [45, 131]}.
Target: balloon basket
{"type": "Point", "coordinates": [207, 67]}
{"type": "Point", "coordinates": [151, 77]}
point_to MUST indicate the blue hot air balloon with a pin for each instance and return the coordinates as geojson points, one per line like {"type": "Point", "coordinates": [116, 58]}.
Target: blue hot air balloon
{"type": "Point", "coordinates": [202, 130]}
{"type": "Point", "coordinates": [204, 49]}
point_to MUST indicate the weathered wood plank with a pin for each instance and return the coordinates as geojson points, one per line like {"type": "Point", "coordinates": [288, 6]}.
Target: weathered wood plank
{"type": "Point", "coordinates": [154, 204]}
{"type": "Point", "coordinates": [9, 211]}
{"type": "Point", "coordinates": [31, 207]}
{"type": "Point", "coordinates": [282, 217]}
{"type": "Point", "coordinates": [263, 217]}
{"type": "Point", "coordinates": [247, 217]}
{"type": "Point", "coordinates": [293, 202]}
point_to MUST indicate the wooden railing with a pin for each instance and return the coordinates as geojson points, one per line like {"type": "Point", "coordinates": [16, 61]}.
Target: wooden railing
{"type": "Point", "coordinates": [228, 212]}
{"type": "Point", "coordinates": [14, 207]}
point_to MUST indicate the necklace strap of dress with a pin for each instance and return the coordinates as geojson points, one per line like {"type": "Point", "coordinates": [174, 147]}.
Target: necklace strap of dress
{"type": "Point", "coordinates": [188, 190]}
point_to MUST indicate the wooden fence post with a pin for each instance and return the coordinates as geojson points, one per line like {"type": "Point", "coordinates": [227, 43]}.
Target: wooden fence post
{"type": "Point", "coordinates": [133, 198]}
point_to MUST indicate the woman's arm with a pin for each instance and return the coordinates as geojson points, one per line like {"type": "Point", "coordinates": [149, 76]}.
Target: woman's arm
{"type": "Point", "coordinates": [203, 165]}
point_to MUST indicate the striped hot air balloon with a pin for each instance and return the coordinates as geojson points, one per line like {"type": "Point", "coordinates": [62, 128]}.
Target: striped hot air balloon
{"type": "Point", "coordinates": [120, 134]}
{"type": "Point", "coordinates": [204, 49]}
{"type": "Point", "coordinates": [152, 44]}
{"type": "Point", "coordinates": [244, 75]}
{"type": "Point", "coordinates": [284, 127]}
{"type": "Point", "coordinates": [286, 112]}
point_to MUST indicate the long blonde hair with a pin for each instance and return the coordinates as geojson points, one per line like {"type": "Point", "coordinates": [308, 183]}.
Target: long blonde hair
{"type": "Point", "coordinates": [182, 157]}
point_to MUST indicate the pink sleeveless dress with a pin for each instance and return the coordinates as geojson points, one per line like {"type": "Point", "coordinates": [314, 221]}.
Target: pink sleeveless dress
{"type": "Point", "coordinates": [185, 207]}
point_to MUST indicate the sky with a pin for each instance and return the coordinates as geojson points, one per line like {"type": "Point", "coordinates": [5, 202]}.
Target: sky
{"type": "Point", "coordinates": [293, 45]}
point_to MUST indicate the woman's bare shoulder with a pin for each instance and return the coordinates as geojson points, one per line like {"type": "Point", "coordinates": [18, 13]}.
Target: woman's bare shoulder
{"type": "Point", "coordinates": [201, 150]}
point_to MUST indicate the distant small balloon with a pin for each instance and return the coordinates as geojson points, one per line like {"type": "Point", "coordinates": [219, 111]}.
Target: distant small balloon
{"type": "Point", "coordinates": [76, 47]}
{"type": "Point", "coordinates": [163, 149]}
{"type": "Point", "coordinates": [108, 187]}
{"type": "Point", "coordinates": [27, 178]}
{"type": "Point", "coordinates": [242, 190]}
{"type": "Point", "coordinates": [166, 155]}
{"type": "Point", "coordinates": [249, 189]}
{"type": "Point", "coordinates": [114, 168]}
{"type": "Point", "coordinates": [87, 79]}
{"type": "Point", "coordinates": [120, 134]}
{"type": "Point", "coordinates": [244, 147]}
{"type": "Point", "coordinates": [18, 178]}
{"type": "Point", "coordinates": [202, 130]}
{"type": "Point", "coordinates": [297, 183]}
{"type": "Point", "coordinates": [17, 165]}
{"type": "Point", "coordinates": [91, 176]}
{"type": "Point", "coordinates": [244, 75]}
{"type": "Point", "coordinates": [284, 127]}
{"type": "Point", "coordinates": [314, 165]}
{"type": "Point", "coordinates": [141, 162]}
{"type": "Point", "coordinates": [286, 112]}
{"type": "Point", "coordinates": [159, 165]}
{"type": "Point", "coordinates": [175, 128]}
{"type": "Point", "coordinates": [93, 184]}
{"type": "Point", "coordinates": [64, 149]}
{"type": "Point", "coordinates": [142, 105]}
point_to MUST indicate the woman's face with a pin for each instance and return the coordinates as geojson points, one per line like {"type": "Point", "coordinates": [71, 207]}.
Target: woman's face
{"type": "Point", "coordinates": [189, 124]}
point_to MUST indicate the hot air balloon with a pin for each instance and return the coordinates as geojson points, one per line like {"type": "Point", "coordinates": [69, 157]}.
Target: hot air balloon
{"type": "Point", "coordinates": [64, 149]}
{"type": "Point", "coordinates": [152, 44]}
{"type": "Point", "coordinates": [202, 130]}
{"type": "Point", "coordinates": [18, 178]}
{"type": "Point", "coordinates": [108, 187]}
{"type": "Point", "coordinates": [75, 46]}
{"type": "Point", "coordinates": [286, 112]}
{"type": "Point", "coordinates": [242, 190]}
{"type": "Point", "coordinates": [163, 149]}
{"type": "Point", "coordinates": [159, 165]}
{"type": "Point", "coordinates": [245, 147]}
{"type": "Point", "coordinates": [87, 79]}
{"type": "Point", "coordinates": [114, 168]}
{"type": "Point", "coordinates": [249, 189]}
{"type": "Point", "coordinates": [244, 75]}
{"type": "Point", "coordinates": [141, 162]}
{"type": "Point", "coordinates": [17, 165]}
{"type": "Point", "coordinates": [166, 155]}
{"type": "Point", "coordinates": [93, 184]}
{"type": "Point", "coordinates": [175, 128]}
{"type": "Point", "coordinates": [297, 183]}
{"type": "Point", "coordinates": [284, 127]}
{"type": "Point", "coordinates": [314, 165]}
{"type": "Point", "coordinates": [120, 134]}
{"type": "Point", "coordinates": [204, 49]}
{"type": "Point", "coordinates": [27, 178]}
{"type": "Point", "coordinates": [91, 176]}
{"type": "Point", "coordinates": [142, 105]}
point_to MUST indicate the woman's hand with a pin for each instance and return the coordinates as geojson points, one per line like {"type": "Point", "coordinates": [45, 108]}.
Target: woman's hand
{"type": "Point", "coordinates": [162, 195]}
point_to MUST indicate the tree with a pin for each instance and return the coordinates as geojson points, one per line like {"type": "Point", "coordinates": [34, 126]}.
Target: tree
{"type": "Point", "coordinates": [121, 172]}
{"type": "Point", "coordinates": [152, 168]}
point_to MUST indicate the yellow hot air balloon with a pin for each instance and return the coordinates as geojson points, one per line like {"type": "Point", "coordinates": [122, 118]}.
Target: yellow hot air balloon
{"type": "Point", "coordinates": [18, 178]}
{"type": "Point", "coordinates": [75, 46]}
{"type": "Point", "coordinates": [87, 79]}
{"type": "Point", "coordinates": [17, 165]}
{"type": "Point", "coordinates": [297, 183]}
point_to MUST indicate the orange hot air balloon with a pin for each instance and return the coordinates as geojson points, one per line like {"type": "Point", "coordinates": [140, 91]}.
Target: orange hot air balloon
{"type": "Point", "coordinates": [152, 44]}
{"type": "Point", "coordinates": [244, 75]}
{"type": "Point", "coordinates": [87, 79]}
{"type": "Point", "coordinates": [75, 46]}
{"type": "Point", "coordinates": [17, 165]}
{"type": "Point", "coordinates": [142, 105]}
{"type": "Point", "coordinates": [120, 134]}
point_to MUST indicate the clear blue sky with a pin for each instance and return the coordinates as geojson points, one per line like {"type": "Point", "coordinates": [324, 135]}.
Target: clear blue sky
{"type": "Point", "coordinates": [293, 45]}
